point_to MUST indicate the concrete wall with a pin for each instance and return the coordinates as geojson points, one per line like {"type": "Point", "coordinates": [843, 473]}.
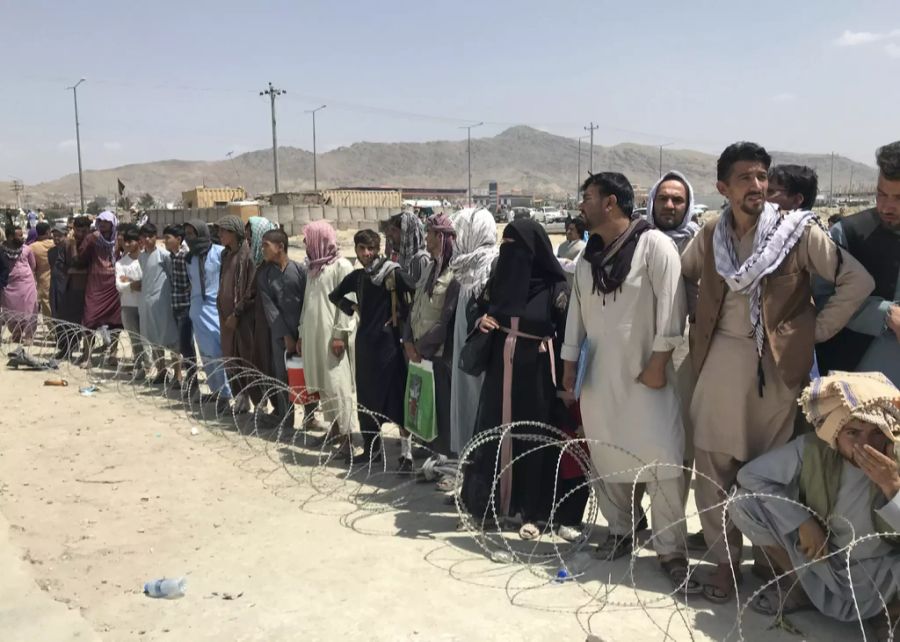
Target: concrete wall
{"type": "Point", "coordinates": [292, 217]}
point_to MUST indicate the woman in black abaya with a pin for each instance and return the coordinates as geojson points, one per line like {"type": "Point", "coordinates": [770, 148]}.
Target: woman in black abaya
{"type": "Point", "coordinates": [523, 305]}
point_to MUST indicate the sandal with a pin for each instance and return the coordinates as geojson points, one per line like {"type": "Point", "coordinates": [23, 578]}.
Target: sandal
{"type": "Point", "coordinates": [614, 547]}
{"type": "Point", "coordinates": [679, 572]}
{"type": "Point", "coordinates": [719, 587]}
{"type": "Point", "coordinates": [775, 601]}
{"type": "Point", "coordinates": [529, 531]}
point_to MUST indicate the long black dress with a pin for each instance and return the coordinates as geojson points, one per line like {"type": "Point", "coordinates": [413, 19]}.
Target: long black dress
{"type": "Point", "coordinates": [527, 293]}
{"type": "Point", "coordinates": [380, 364]}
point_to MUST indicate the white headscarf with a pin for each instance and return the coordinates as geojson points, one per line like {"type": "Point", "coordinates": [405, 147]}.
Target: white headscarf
{"type": "Point", "coordinates": [476, 248]}
{"type": "Point", "coordinates": [688, 228]}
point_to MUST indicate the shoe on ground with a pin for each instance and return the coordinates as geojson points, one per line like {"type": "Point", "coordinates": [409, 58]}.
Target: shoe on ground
{"type": "Point", "coordinates": [405, 465]}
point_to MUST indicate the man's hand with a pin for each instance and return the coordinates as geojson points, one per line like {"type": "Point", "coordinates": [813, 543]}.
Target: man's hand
{"type": "Point", "coordinates": [880, 468]}
{"type": "Point", "coordinates": [231, 322]}
{"type": "Point", "coordinates": [290, 344]}
{"type": "Point", "coordinates": [653, 377]}
{"type": "Point", "coordinates": [299, 348]}
{"type": "Point", "coordinates": [487, 323]}
{"type": "Point", "coordinates": [123, 279]}
{"type": "Point", "coordinates": [570, 373]}
{"type": "Point", "coordinates": [893, 319]}
{"type": "Point", "coordinates": [411, 353]}
{"type": "Point", "coordinates": [813, 542]}
{"type": "Point", "coordinates": [337, 347]}
{"type": "Point", "coordinates": [136, 286]}
{"type": "Point", "coordinates": [654, 373]}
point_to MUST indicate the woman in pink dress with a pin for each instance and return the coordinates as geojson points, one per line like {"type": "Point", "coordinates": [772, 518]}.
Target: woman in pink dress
{"type": "Point", "coordinates": [18, 299]}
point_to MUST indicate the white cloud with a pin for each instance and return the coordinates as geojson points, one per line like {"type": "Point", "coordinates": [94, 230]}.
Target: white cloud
{"type": "Point", "coordinates": [784, 97]}
{"type": "Point", "coordinates": [112, 146]}
{"type": "Point", "coordinates": [66, 144]}
{"type": "Point", "coordinates": [854, 38]}
{"type": "Point", "coordinates": [892, 49]}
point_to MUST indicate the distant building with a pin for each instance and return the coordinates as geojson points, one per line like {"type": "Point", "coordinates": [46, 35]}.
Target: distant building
{"type": "Point", "coordinates": [204, 197]}
{"type": "Point", "coordinates": [342, 197]}
{"type": "Point", "coordinates": [504, 200]}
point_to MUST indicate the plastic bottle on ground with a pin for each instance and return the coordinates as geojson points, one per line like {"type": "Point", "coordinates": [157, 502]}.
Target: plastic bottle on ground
{"type": "Point", "coordinates": [166, 588]}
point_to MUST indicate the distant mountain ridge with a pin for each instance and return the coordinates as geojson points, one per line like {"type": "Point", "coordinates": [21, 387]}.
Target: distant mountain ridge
{"type": "Point", "coordinates": [520, 159]}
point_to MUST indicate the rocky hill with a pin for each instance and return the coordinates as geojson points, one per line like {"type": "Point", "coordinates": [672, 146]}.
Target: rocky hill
{"type": "Point", "coordinates": [520, 159]}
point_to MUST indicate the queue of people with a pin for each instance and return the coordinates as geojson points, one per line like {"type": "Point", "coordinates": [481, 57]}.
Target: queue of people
{"type": "Point", "coordinates": [670, 345]}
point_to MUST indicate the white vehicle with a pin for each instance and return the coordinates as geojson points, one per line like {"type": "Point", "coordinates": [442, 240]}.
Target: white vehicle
{"type": "Point", "coordinates": [553, 215]}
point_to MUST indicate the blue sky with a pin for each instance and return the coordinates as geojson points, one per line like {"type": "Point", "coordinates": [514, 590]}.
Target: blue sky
{"type": "Point", "coordinates": [181, 79]}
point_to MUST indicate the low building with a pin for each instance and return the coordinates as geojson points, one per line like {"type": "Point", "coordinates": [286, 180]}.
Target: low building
{"type": "Point", "coordinates": [204, 197]}
{"type": "Point", "coordinates": [505, 200]}
{"type": "Point", "coordinates": [342, 197]}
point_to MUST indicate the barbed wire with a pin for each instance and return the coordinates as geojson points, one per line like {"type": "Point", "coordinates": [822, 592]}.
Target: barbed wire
{"type": "Point", "coordinates": [365, 483]}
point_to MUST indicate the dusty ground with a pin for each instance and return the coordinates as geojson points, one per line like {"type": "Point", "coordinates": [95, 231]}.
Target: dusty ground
{"type": "Point", "coordinates": [102, 493]}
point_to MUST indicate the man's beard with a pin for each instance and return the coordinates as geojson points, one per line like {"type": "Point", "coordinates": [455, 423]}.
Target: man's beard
{"type": "Point", "coordinates": [752, 210]}
{"type": "Point", "coordinates": [665, 225]}
{"type": "Point", "coordinates": [893, 226]}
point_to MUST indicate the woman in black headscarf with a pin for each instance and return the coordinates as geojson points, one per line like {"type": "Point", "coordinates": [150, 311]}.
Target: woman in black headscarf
{"type": "Point", "coordinates": [523, 304]}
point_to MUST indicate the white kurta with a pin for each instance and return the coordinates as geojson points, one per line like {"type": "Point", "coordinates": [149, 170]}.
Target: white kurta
{"type": "Point", "coordinates": [320, 322]}
{"type": "Point", "coordinates": [639, 425]}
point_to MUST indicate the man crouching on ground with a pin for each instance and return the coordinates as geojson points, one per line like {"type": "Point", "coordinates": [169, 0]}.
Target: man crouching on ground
{"type": "Point", "coordinates": [820, 505]}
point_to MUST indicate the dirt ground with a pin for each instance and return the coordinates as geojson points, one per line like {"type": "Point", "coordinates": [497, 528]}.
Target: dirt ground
{"type": "Point", "coordinates": [99, 494]}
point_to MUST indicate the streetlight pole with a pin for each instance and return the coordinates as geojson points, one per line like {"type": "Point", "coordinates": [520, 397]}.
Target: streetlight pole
{"type": "Point", "coordinates": [315, 169]}
{"type": "Point", "coordinates": [272, 93]}
{"type": "Point", "coordinates": [74, 89]}
{"type": "Point", "coordinates": [660, 157]}
{"type": "Point", "coordinates": [469, 129]}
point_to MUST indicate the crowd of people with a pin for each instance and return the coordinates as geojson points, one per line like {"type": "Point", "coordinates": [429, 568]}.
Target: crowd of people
{"type": "Point", "coordinates": [666, 349]}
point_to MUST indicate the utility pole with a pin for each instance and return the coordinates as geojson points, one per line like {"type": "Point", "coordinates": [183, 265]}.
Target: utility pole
{"type": "Point", "coordinates": [315, 169]}
{"type": "Point", "coordinates": [18, 187]}
{"type": "Point", "coordinates": [850, 185]}
{"type": "Point", "coordinates": [831, 187]}
{"type": "Point", "coordinates": [578, 180]}
{"type": "Point", "coordinates": [468, 129]}
{"type": "Point", "coordinates": [660, 157]}
{"type": "Point", "coordinates": [74, 89]}
{"type": "Point", "coordinates": [591, 129]}
{"type": "Point", "coordinates": [271, 92]}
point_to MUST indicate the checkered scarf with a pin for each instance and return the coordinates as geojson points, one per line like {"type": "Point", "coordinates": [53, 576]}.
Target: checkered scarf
{"type": "Point", "coordinates": [832, 402]}
{"type": "Point", "coordinates": [776, 235]}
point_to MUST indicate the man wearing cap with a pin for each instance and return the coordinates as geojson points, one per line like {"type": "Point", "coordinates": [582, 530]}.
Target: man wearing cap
{"type": "Point", "coordinates": [822, 505]}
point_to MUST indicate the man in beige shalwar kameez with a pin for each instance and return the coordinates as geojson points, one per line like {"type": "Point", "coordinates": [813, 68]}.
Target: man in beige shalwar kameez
{"type": "Point", "coordinates": [752, 334]}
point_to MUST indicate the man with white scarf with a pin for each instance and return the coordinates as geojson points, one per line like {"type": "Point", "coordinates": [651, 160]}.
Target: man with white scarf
{"type": "Point", "coordinates": [752, 335]}
{"type": "Point", "coordinates": [669, 204]}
